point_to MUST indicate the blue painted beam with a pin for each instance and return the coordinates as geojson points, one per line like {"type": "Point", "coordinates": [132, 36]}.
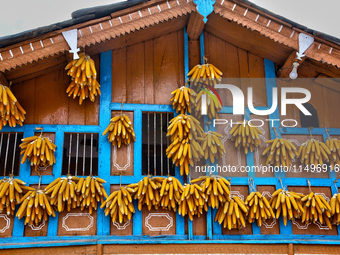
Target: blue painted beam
{"type": "Point", "coordinates": [142, 107]}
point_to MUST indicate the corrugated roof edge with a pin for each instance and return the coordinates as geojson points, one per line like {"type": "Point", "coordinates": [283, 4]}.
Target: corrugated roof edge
{"type": "Point", "coordinates": [78, 17]}
{"type": "Point", "coordinates": [294, 24]}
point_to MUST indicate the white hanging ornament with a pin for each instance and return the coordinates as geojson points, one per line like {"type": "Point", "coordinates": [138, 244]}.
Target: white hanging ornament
{"type": "Point", "coordinates": [72, 40]}
{"type": "Point", "coordinates": [305, 41]}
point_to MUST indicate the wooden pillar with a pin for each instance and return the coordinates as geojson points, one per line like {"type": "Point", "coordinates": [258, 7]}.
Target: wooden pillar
{"type": "Point", "coordinates": [99, 249]}
{"type": "Point", "coordinates": [290, 249]}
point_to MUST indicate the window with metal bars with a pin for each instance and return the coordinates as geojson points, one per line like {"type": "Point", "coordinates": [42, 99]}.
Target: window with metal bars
{"type": "Point", "coordinates": [154, 144]}
{"type": "Point", "coordinates": [309, 120]}
{"type": "Point", "coordinates": [80, 154]}
{"type": "Point", "coordinates": [10, 153]}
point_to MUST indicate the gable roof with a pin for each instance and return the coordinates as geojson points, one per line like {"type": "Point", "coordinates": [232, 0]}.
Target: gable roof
{"type": "Point", "coordinates": [103, 23]}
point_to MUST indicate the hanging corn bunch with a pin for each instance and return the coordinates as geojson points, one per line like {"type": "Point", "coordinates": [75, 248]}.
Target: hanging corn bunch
{"type": "Point", "coordinates": [232, 213]}
{"type": "Point", "coordinates": [259, 208]}
{"type": "Point", "coordinates": [184, 150]}
{"type": "Point", "coordinates": [84, 78]}
{"type": "Point", "coordinates": [11, 193]}
{"type": "Point", "coordinates": [119, 205]}
{"type": "Point", "coordinates": [279, 152]}
{"type": "Point", "coordinates": [333, 146]}
{"type": "Point", "coordinates": [11, 111]}
{"type": "Point", "coordinates": [91, 191]}
{"type": "Point", "coordinates": [146, 191]}
{"type": "Point", "coordinates": [316, 208]}
{"type": "Point", "coordinates": [213, 103]}
{"type": "Point", "coordinates": [35, 207]}
{"type": "Point", "coordinates": [120, 131]}
{"type": "Point", "coordinates": [215, 188]}
{"type": "Point", "coordinates": [39, 150]}
{"type": "Point", "coordinates": [286, 203]}
{"type": "Point", "coordinates": [181, 99]}
{"type": "Point", "coordinates": [62, 192]}
{"type": "Point", "coordinates": [170, 193]}
{"type": "Point", "coordinates": [313, 152]}
{"type": "Point", "coordinates": [212, 145]}
{"type": "Point", "coordinates": [206, 73]}
{"type": "Point", "coordinates": [335, 206]}
{"type": "Point", "coordinates": [192, 201]}
{"type": "Point", "coordinates": [184, 153]}
{"type": "Point", "coordinates": [157, 192]}
{"type": "Point", "coordinates": [246, 136]}
{"type": "Point", "coordinates": [183, 126]}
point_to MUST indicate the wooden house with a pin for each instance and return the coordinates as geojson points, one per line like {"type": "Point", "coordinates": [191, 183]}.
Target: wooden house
{"type": "Point", "coordinates": [143, 51]}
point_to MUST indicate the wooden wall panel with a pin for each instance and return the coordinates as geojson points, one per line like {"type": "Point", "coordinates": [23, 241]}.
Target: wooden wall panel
{"type": "Point", "coordinates": [66, 250]}
{"type": "Point", "coordinates": [324, 100]}
{"type": "Point", "coordinates": [196, 248]}
{"type": "Point", "coordinates": [77, 222]}
{"type": "Point", "coordinates": [158, 222]}
{"type": "Point", "coordinates": [135, 73]}
{"type": "Point", "coordinates": [331, 104]}
{"type": "Point", "coordinates": [260, 160]}
{"type": "Point", "coordinates": [6, 224]}
{"type": "Point", "coordinates": [199, 225]}
{"type": "Point", "coordinates": [119, 75]}
{"type": "Point", "coordinates": [337, 172]}
{"type": "Point", "coordinates": [124, 155]}
{"type": "Point", "coordinates": [300, 228]}
{"type": "Point", "coordinates": [46, 102]}
{"type": "Point", "coordinates": [316, 249]}
{"type": "Point", "coordinates": [256, 73]}
{"type": "Point", "coordinates": [147, 72]}
{"type": "Point", "coordinates": [232, 157]}
{"type": "Point", "coordinates": [236, 63]}
{"type": "Point", "coordinates": [120, 229]}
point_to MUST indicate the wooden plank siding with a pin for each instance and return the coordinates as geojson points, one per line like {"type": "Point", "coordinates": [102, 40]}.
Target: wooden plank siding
{"type": "Point", "coordinates": [147, 72]}
{"type": "Point", "coordinates": [45, 100]}
{"type": "Point", "coordinates": [325, 100]}
{"type": "Point", "coordinates": [235, 62]}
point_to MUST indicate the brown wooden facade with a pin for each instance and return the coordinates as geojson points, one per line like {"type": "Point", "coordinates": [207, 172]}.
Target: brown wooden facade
{"type": "Point", "coordinates": [148, 63]}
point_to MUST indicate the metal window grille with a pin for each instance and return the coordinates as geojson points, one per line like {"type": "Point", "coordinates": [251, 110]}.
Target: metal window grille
{"type": "Point", "coordinates": [309, 120]}
{"type": "Point", "coordinates": [80, 154]}
{"type": "Point", "coordinates": [154, 144]}
{"type": "Point", "coordinates": [10, 153]}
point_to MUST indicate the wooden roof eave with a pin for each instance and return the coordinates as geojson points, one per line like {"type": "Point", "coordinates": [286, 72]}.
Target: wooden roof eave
{"type": "Point", "coordinates": [168, 16]}
{"type": "Point", "coordinates": [278, 31]}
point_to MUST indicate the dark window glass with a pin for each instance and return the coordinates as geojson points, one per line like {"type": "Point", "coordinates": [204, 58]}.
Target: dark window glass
{"type": "Point", "coordinates": [154, 144]}
{"type": "Point", "coordinates": [10, 153]}
{"type": "Point", "coordinates": [75, 162]}
{"type": "Point", "coordinates": [309, 120]}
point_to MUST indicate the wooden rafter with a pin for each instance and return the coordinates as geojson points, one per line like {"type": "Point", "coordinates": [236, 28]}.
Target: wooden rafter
{"type": "Point", "coordinates": [328, 82]}
{"type": "Point", "coordinates": [3, 79]}
{"type": "Point", "coordinates": [246, 39]}
{"type": "Point", "coordinates": [36, 69]}
{"type": "Point", "coordinates": [195, 26]}
{"type": "Point", "coordinates": [288, 65]}
{"type": "Point", "coordinates": [328, 70]}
